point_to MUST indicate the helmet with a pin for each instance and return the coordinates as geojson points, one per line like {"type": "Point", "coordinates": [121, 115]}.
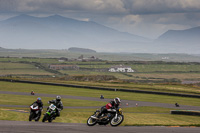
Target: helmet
{"type": "Point", "coordinates": [39, 100]}
{"type": "Point", "coordinates": [117, 101]}
{"type": "Point", "coordinates": [58, 98]}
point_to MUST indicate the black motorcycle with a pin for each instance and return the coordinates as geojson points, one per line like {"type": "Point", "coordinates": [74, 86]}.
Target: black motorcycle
{"type": "Point", "coordinates": [34, 112]}
{"type": "Point", "coordinates": [114, 119]}
{"type": "Point", "coordinates": [50, 113]}
{"type": "Point", "coordinates": [32, 93]}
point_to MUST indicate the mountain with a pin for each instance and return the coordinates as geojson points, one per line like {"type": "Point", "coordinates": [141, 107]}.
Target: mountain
{"type": "Point", "coordinates": [81, 50]}
{"type": "Point", "coordinates": [185, 41]}
{"type": "Point", "coordinates": [57, 32]}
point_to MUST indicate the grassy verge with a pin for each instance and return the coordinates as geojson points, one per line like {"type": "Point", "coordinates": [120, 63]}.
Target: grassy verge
{"type": "Point", "coordinates": [160, 120]}
{"type": "Point", "coordinates": [47, 89]}
{"type": "Point", "coordinates": [160, 87]}
{"type": "Point", "coordinates": [131, 118]}
{"type": "Point", "coordinates": [8, 99]}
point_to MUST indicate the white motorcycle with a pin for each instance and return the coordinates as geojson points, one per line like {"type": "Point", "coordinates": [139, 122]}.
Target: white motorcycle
{"type": "Point", "coordinates": [34, 112]}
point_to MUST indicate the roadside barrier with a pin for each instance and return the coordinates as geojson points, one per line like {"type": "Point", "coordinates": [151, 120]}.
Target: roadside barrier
{"type": "Point", "coordinates": [185, 112]}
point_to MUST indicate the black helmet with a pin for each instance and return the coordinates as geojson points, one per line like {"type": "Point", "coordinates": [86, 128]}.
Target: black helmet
{"type": "Point", "coordinates": [117, 101]}
{"type": "Point", "coordinates": [39, 100]}
{"type": "Point", "coordinates": [58, 98]}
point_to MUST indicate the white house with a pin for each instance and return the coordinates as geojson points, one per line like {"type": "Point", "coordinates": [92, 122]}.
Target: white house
{"type": "Point", "coordinates": [120, 68]}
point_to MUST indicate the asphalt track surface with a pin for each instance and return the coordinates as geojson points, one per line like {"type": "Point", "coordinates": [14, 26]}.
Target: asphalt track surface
{"type": "Point", "coordinates": [39, 127]}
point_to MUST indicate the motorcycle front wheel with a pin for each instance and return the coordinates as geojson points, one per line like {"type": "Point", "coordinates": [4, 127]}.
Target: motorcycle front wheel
{"type": "Point", "coordinates": [117, 121]}
{"type": "Point", "coordinates": [31, 116]}
{"type": "Point", "coordinates": [91, 121]}
{"type": "Point", "coordinates": [45, 118]}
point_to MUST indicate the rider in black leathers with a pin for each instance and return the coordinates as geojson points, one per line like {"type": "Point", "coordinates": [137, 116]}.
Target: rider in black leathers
{"type": "Point", "coordinates": [110, 107]}
{"type": "Point", "coordinates": [40, 104]}
{"type": "Point", "coordinates": [58, 103]}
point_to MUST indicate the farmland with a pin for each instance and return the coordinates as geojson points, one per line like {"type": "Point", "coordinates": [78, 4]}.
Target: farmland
{"type": "Point", "coordinates": [145, 71]}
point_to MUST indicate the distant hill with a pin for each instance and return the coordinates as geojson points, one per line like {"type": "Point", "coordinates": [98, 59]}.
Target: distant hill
{"type": "Point", "coordinates": [81, 50]}
{"type": "Point", "coordinates": [2, 49]}
{"type": "Point", "coordinates": [57, 32]}
{"type": "Point", "coordinates": [181, 36]}
{"type": "Point", "coordinates": [185, 41]}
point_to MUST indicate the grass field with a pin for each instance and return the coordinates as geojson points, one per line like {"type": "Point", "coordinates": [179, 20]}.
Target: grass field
{"type": "Point", "coordinates": [147, 67]}
{"type": "Point", "coordinates": [104, 56]}
{"type": "Point", "coordinates": [144, 71]}
{"type": "Point", "coordinates": [21, 68]}
{"type": "Point", "coordinates": [166, 67]}
{"type": "Point", "coordinates": [161, 87]}
{"type": "Point", "coordinates": [47, 89]}
{"type": "Point", "coordinates": [133, 115]}
{"type": "Point", "coordinates": [155, 76]}
{"type": "Point", "coordinates": [155, 117]}
{"type": "Point", "coordinates": [27, 100]}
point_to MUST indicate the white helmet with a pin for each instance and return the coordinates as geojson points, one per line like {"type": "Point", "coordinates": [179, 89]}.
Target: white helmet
{"type": "Point", "coordinates": [58, 98]}
{"type": "Point", "coordinates": [117, 100]}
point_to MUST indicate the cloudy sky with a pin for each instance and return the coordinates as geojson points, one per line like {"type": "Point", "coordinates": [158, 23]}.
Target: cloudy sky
{"type": "Point", "coordinates": [148, 18]}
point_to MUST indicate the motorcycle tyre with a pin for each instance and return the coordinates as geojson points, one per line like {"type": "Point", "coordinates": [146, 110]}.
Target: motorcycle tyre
{"type": "Point", "coordinates": [91, 124]}
{"type": "Point", "coordinates": [49, 120]}
{"type": "Point", "coordinates": [45, 118]}
{"type": "Point", "coordinates": [118, 123]}
{"type": "Point", "coordinates": [31, 116]}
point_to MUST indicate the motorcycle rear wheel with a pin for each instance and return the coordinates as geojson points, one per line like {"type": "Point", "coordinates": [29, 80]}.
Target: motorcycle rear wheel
{"type": "Point", "coordinates": [91, 121]}
{"type": "Point", "coordinates": [115, 122]}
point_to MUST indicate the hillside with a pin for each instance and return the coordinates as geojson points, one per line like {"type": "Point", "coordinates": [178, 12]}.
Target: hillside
{"type": "Point", "coordinates": [57, 32]}
{"type": "Point", "coordinates": [186, 41]}
{"type": "Point", "coordinates": [81, 50]}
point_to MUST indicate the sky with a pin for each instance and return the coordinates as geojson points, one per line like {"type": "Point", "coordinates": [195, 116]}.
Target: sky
{"type": "Point", "coordinates": [147, 18]}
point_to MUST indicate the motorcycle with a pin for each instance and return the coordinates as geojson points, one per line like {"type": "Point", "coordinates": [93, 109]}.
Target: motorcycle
{"type": "Point", "coordinates": [32, 93]}
{"type": "Point", "coordinates": [114, 119]}
{"type": "Point", "coordinates": [34, 112]}
{"type": "Point", "coordinates": [50, 113]}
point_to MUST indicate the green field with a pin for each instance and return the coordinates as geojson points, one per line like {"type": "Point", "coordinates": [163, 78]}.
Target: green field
{"type": "Point", "coordinates": [145, 71]}
{"type": "Point", "coordinates": [149, 75]}
{"type": "Point", "coordinates": [48, 89]}
{"type": "Point", "coordinates": [131, 118]}
{"type": "Point", "coordinates": [27, 100]}
{"type": "Point", "coordinates": [105, 56]}
{"type": "Point", "coordinates": [161, 87]}
{"type": "Point", "coordinates": [21, 69]}
{"type": "Point", "coordinates": [140, 115]}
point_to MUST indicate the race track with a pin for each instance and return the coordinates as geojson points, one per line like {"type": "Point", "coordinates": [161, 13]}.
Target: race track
{"type": "Point", "coordinates": [131, 103]}
{"type": "Point", "coordinates": [39, 127]}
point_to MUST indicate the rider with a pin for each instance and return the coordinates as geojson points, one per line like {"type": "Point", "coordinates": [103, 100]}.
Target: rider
{"type": "Point", "coordinates": [40, 104]}
{"type": "Point", "coordinates": [32, 92]}
{"type": "Point", "coordinates": [58, 103]}
{"type": "Point", "coordinates": [110, 107]}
